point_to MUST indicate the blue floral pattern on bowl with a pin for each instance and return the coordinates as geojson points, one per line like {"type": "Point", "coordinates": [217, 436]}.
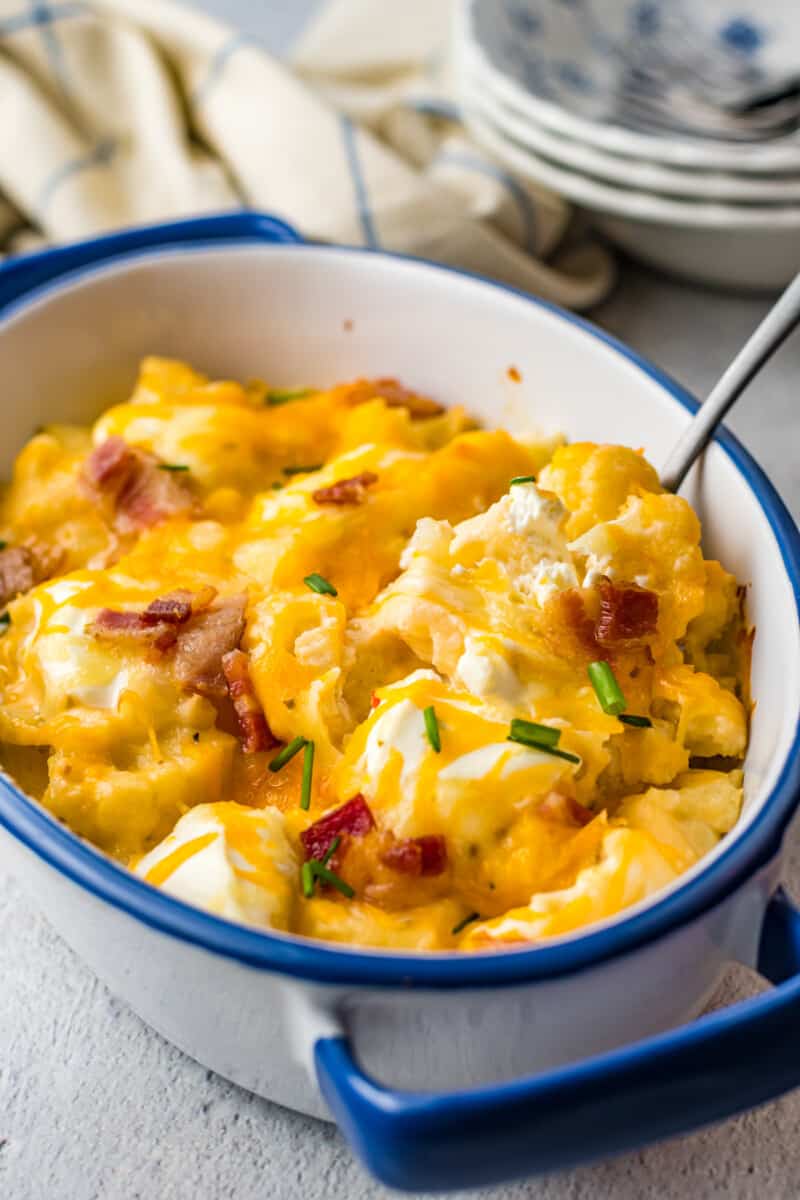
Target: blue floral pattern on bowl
{"type": "Point", "coordinates": [631, 61]}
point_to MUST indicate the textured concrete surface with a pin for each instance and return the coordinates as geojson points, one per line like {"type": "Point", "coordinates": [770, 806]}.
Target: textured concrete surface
{"type": "Point", "coordinates": [94, 1106]}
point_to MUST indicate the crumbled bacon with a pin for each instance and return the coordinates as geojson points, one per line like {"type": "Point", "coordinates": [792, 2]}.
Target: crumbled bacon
{"type": "Point", "coordinates": [417, 856]}
{"type": "Point", "coordinates": [175, 608]}
{"type": "Point", "coordinates": [110, 623]}
{"type": "Point", "coordinates": [353, 818]}
{"type": "Point", "coordinates": [157, 624]}
{"type": "Point", "coordinates": [392, 392]}
{"type": "Point", "coordinates": [204, 640]}
{"type": "Point", "coordinates": [346, 491]}
{"type": "Point", "coordinates": [565, 809]}
{"type": "Point", "coordinates": [627, 612]}
{"type": "Point", "coordinates": [374, 701]}
{"type": "Point", "coordinates": [22, 567]}
{"type": "Point", "coordinates": [17, 572]}
{"type": "Point", "coordinates": [131, 481]}
{"type": "Point", "coordinates": [570, 629]}
{"type": "Point", "coordinates": [255, 732]}
{"type": "Point", "coordinates": [109, 464]}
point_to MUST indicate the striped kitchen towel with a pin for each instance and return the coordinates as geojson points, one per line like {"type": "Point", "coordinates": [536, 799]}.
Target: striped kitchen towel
{"type": "Point", "coordinates": [123, 112]}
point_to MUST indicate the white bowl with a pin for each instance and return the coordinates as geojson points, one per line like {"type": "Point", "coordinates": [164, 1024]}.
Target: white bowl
{"type": "Point", "coordinates": [753, 247]}
{"type": "Point", "coordinates": [388, 1042]}
{"type": "Point", "coordinates": [558, 63]}
{"type": "Point", "coordinates": [642, 175]}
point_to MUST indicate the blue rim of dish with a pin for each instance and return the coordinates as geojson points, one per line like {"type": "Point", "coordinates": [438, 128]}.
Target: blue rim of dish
{"type": "Point", "coordinates": [322, 962]}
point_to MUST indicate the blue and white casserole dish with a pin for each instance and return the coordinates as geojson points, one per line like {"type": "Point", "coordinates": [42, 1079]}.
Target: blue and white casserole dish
{"type": "Point", "coordinates": [442, 1070]}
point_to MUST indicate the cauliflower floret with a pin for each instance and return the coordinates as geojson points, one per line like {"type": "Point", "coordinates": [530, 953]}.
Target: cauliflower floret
{"type": "Point", "coordinates": [631, 867]}
{"type": "Point", "coordinates": [595, 481]}
{"type": "Point", "coordinates": [655, 543]}
{"type": "Point", "coordinates": [711, 721]}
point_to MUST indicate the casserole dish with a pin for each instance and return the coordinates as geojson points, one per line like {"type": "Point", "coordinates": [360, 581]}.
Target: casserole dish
{"type": "Point", "coordinates": [443, 1071]}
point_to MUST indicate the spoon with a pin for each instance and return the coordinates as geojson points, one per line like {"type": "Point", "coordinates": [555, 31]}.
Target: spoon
{"type": "Point", "coordinates": [779, 322]}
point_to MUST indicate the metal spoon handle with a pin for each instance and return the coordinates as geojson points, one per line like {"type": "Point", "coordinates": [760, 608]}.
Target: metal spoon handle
{"type": "Point", "coordinates": [776, 326]}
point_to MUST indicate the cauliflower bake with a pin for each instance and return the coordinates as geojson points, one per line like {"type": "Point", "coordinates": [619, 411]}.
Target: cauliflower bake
{"type": "Point", "coordinates": [340, 664]}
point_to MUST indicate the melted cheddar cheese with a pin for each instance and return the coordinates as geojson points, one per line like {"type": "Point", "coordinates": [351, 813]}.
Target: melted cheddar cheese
{"type": "Point", "coordinates": [216, 575]}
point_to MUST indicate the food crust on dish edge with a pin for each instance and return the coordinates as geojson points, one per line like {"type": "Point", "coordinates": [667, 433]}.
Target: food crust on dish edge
{"type": "Point", "coordinates": [340, 664]}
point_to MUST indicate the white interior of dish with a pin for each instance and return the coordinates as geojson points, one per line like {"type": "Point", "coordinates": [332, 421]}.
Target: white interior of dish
{"type": "Point", "coordinates": [315, 315]}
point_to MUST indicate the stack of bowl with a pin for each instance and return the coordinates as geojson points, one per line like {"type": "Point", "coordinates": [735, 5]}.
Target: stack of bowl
{"type": "Point", "coordinates": [674, 124]}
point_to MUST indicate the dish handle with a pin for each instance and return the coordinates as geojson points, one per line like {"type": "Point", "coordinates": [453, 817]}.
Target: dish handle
{"type": "Point", "coordinates": [21, 275]}
{"type": "Point", "coordinates": [709, 1069]}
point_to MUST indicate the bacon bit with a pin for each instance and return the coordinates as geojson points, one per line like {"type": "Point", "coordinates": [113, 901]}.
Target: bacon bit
{"type": "Point", "coordinates": [17, 572]}
{"type": "Point", "coordinates": [158, 623]}
{"type": "Point", "coordinates": [627, 613]}
{"type": "Point", "coordinates": [109, 464]}
{"type": "Point", "coordinates": [394, 395]}
{"type": "Point", "coordinates": [255, 732]}
{"type": "Point", "coordinates": [139, 492]}
{"type": "Point", "coordinates": [346, 491]}
{"type": "Point", "coordinates": [22, 567]}
{"type": "Point", "coordinates": [564, 809]}
{"type": "Point", "coordinates": [111, 624]}
{"type": "Point", "coordinates": [353, 818]}
{"type": "Point", "coordinates": [514, 374]}
{"type": "Point", "coordinates": [417, 856]}
{"type": "Point", "coordinates": [374, 701]}
{"type": "Point", "coordinates": [569, 624]}
{"type": "Point", "coordinates": [203, 641]}
{"type": "Point", "coordinates": [175, 608]}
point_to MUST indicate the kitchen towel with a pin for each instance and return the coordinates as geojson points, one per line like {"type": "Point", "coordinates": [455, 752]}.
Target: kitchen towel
{"type": "Point", "coordinates": [122, 112]}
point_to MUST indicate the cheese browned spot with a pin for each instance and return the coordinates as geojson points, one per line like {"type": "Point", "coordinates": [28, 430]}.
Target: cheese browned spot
{"type": "Point", "coordinates": [394, 395]}
{"type": "Point", "coordinates": [346, 491]}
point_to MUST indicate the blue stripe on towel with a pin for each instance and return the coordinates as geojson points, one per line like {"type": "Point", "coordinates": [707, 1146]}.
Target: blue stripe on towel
{"type": "Point", "coordinates": [42, 15]}
{"type": "Point", "coordinates": [525, 206]}
{"type": "Point", "coordinates": [219, 61]}
{"type": "Point", "coordinates": [435, 107]}
{"type": "Point", "coordinates": [99, 155]}
{"type": "Point", "coordinates": [365, 217]}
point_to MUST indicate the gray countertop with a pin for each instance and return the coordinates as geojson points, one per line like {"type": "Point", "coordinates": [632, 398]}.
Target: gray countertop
{"type": "Point", "coordinates": [95, 1106]}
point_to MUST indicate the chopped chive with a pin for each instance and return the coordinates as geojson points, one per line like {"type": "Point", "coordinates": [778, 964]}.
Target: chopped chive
{"type": "Point", "coordinates": [314, 869]}
{"type": "Point", "coordinates": [531, 733]}
{"type": "Point", "coordinates": [556, 753]}
{"type": "Point", "coordinates": [288, 752]}
{"type": "Point", "coordinates": [284, 395]}
{"type": "Point", "coordinates": [320, 585]}
{"type": "Point", "coordinates": [466, 921]}
{"type": "Point", "coordinates": [307, 879]}
{"type": "Point", "coordinates": [330, 877]}
{"type": "Point", "coordinates": [3, 544]}
{"type": "Point", "coordinates": [432, 728]}
{"type": "Point", "coordinates": [329, 853]}
{"type": "Point", "coordinates": [539, 737]}
{"type": "Point", "coordinates": [308, 770]}
{"type": "Point", "coordinates": [302, 470]}
{"type": "Point", "coordinates": [173, 467]}
{"type": "Point", "coordinates": [5, 621]}
{"type": "Point", "coordinates": [606, 688]}
{"type": "Point", "coordinates": [636, 722]}
{"type": "Point", "coordinates": [522, 479]}
{"type": "Point", "coordinates": [276, 487]}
